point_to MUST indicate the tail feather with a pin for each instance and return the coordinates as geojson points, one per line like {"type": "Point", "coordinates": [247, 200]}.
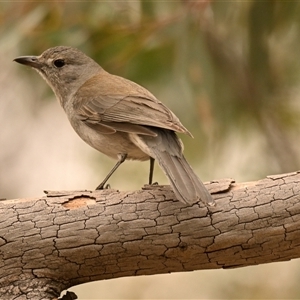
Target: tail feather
{"type": "Point", "coordinates": [167, 149]}
{"type": "Point", "coordinates": [186, 185]}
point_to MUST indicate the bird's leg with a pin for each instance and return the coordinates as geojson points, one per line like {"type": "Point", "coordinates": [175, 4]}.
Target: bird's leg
{"type": "Point", "coordinates": [152, 161]}
{"type": "Point", "coordinates": [122, 158]}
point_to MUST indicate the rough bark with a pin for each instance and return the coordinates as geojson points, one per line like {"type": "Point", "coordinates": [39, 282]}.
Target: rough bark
{"type": "Point", "coordinates": [51, 243]}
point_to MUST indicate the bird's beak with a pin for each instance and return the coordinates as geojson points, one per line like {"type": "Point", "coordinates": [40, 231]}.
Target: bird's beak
{"type": "Point", "coordinates": [31, 61]}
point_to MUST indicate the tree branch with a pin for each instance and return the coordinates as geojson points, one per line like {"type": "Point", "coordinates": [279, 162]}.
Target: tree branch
{"type": "Point", "coordinates": [51, 243]}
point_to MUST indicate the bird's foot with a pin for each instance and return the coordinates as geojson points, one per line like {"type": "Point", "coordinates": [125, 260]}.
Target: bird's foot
{"type": "Point", "coordinates": [103, 187]}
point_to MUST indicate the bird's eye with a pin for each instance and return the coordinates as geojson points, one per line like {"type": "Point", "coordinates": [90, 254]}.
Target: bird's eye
{"type": "Point", "coordinates": [59, 63]}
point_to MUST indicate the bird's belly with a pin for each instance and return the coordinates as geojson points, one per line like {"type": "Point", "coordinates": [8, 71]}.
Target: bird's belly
{"type": "Point", "coordinates": [110, 144]}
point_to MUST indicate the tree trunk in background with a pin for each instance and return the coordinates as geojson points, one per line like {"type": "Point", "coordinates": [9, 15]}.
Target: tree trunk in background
{"type": "Point", "coordinates": [51, 243]}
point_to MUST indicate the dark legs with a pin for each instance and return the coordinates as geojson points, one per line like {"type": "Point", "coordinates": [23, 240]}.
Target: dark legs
{"type": "Point", "coordinates": [122, 158]}
{"type": "Point", "coordinates": [152, 160]}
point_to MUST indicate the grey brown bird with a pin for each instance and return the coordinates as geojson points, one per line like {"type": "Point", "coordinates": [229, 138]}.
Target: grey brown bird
{"type": "Point", "coordinates": [118, 117]}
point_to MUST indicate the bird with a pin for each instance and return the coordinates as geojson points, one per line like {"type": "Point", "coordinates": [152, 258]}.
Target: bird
{"type": "Point", "coordinates": [119, 118]}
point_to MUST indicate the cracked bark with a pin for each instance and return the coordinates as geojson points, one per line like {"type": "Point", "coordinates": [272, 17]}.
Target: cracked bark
{"type": "Point", "coordinates": [51, 243]}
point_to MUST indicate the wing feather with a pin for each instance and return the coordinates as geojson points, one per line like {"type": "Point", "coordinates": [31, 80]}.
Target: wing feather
{"type": "Point", "coordinates": [117, 101]}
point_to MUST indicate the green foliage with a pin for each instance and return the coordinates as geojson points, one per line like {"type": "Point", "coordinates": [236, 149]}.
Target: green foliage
{"type": "Point", "coordinates": [223, 67]}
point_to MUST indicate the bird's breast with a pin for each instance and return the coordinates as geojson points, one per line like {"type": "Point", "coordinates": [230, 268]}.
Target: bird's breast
{"type": "Point", "coordinates": [109, 144]}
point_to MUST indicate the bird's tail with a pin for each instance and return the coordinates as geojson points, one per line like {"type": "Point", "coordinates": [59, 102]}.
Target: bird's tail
{"type": "Point", "coordinates": [186, 185]}
{"type": "Point", "coordinates": [166, 148]}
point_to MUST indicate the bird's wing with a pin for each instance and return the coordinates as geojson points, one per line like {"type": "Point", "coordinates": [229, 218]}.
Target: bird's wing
{"type": "Point", "coordinates": [110, 103]}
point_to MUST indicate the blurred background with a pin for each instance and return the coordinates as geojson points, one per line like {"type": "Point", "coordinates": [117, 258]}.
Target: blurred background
{"type": "Point", "coordinates": [230, 70]}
